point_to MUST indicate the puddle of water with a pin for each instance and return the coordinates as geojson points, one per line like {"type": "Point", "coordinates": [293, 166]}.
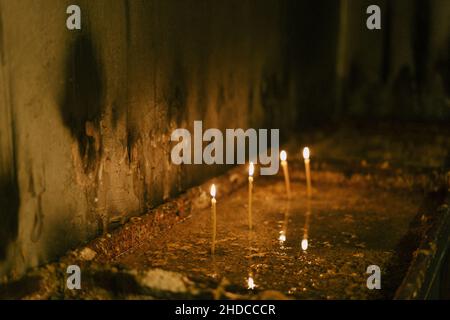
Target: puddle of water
{"type": "Point", "coordinates": [304, 249]}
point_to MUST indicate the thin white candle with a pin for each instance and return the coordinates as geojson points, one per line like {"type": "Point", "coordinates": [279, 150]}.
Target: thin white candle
{"type": "Point", "coordinates": [251, 170]}
{"type": "Point", "coordinates": [213, 218]}
{"type": "Point", "coordinates": [284, 165]}
{"type": "Point", "coordinates": [307, 170]}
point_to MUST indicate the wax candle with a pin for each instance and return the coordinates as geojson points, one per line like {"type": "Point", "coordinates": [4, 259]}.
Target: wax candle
{"type": "Point", "coordinates": [308, 171]}
{"type": "Point", "coordinates": [213, 217]}
{"type": "Point", "coordinates": [284, 165]}
{"type": "Point", "coordinates": [251, 170]}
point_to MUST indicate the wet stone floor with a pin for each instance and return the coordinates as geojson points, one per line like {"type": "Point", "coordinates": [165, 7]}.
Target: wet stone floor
{"type": "Point", "coordinates": [349, 226]}
{"type": "Point", "coordinates": [372, 199]}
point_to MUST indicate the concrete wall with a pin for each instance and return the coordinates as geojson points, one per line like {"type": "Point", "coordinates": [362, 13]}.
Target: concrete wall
{"type": "Point", "coordinates": [86, 116]}
{"type": "Point", "coordinates": [401, 71]}
{"type": "Point", "coordinates": [345, 71]}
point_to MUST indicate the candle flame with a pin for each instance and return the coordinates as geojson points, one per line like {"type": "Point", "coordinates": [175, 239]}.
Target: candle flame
{"type": "Point", "coordinates": [304, 244]}
{"type": "Point", "coordinates": [213, 191]}
{"type": "Point", "coordinates": [250, 283]}
{"type": "Point", "coordinates": [282, 237]}
{"type": "Point", "coordinates": [251, 169]}
{"type": "Point", "coordinates": [306, 153]}
{"type": "Point", "coordinates": [283, 155]}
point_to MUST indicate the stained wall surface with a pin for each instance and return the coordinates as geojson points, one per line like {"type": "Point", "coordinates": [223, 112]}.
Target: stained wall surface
{"type": "Point", "coordinates": [86, 116]}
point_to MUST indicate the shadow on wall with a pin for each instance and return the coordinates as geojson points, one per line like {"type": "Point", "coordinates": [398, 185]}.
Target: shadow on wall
{"type": "Point", "coordinates": [9, 190]}
{"type": "Point", "coordinates": [9, 204]}
{"type": "Point", "coordinates": [82, 103]}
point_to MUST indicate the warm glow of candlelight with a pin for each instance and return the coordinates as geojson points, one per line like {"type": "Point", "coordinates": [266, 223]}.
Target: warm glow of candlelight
{"type": "Point", "coordinates": [284, 165]}
{"type": "Point", "coordinates": [306, 153]}
{"type": "Point", "coordinates": [251, 169]}
{"type": "Point", "coordinates": [250, 283]}
{"type": "Point", "coordinates": [307, 171]}
{"type": "Point", "coordinates": [304, 244]}
{"type": "Point", "coordinates": [282, 237]}
{"type": "Point", "coordinates": [213, 218]}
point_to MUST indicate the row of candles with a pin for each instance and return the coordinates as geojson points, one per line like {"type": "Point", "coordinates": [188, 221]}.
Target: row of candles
{"type": "Point", "coordinates": [251, 170]}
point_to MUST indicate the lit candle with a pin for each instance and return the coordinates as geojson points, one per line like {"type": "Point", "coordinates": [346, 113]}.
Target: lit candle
{"type": "Point", "coordinates": [251, 170]}
{"type": "Point", "coordinates": [284, 165]}
{"type": "Point", "coordinates": [308, 171]}
{"type": "Point", "coordinates": [213, 217]}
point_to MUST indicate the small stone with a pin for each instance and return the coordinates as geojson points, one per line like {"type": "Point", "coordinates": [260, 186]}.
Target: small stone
{"type": "Point", "coordinates": [87, 254]}
{"type": "Point", "coordinates": [162, 280]}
